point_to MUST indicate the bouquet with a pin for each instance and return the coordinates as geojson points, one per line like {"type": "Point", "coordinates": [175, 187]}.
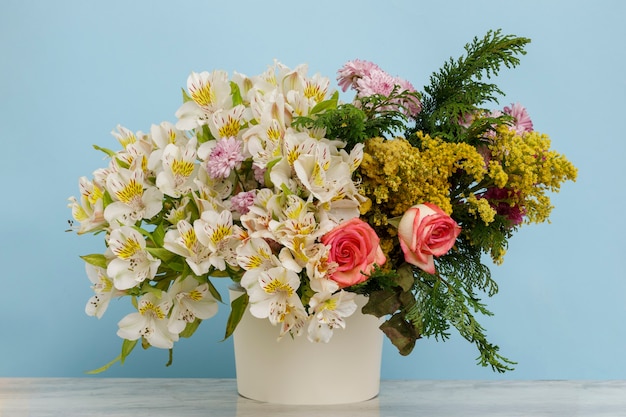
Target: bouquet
{"type": "Point", "coordinates": [304, 201]}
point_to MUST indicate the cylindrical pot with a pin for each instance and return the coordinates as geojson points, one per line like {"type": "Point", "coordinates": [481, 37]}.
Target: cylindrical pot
{"type": "Point", "coordinates": [296, 371]}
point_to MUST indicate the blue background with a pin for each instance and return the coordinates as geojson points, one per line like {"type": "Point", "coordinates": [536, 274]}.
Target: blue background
{"type": "Point", "coordinates": [70, 71]}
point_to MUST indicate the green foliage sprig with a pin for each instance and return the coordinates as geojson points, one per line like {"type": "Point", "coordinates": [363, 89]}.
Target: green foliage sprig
{"type": "Point", "coordinates": [371, 116]}
{"type": "Point", "coordinates": [459, 89]}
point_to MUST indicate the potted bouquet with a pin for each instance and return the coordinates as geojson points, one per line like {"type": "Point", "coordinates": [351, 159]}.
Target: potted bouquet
{"type": "Point", "coordinates": [309, 204]}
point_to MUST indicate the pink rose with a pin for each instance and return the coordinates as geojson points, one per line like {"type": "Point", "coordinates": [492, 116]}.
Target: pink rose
{"type": "Point", "coordinates": [426, 231]}
{"type": "Point", "coordinates": [355, 248]}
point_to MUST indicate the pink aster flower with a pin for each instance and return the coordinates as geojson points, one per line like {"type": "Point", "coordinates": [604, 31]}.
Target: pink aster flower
{"type": "Point", "coordinates": [522, 119]}
{"type": "Point", "coordinates": [242, 201]}
{"type": "Point", "coordinates": [225, 157]}
{"type": "Point", "coordinates": [352, 71]}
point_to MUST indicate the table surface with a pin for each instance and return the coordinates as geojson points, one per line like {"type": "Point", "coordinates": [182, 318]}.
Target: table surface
{"type": "Point", "coordinates": [121, 397]}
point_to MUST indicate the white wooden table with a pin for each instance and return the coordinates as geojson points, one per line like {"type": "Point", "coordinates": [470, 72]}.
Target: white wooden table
{"type": "Point", "coordinates": [115, 397]}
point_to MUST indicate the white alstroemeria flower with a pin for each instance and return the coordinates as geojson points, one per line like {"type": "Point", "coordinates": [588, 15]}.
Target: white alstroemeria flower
{"type": "Point", "coordinates": [294, 320]}
{"type": "Point", "coordinates": [162, 135]}
{"type": "Point", "coordinates": [298, 103]}
{"type": "Point", "coordinates": [150, 321]}
{"type": "Point", "coordinates": [295, 144]}
{"type": "Point", "coordinates": [103, 288]}
{"type": "Point", "coordinates": [165, 134]}
{"type": "Point", "coordinates": [339, 210]}
{"type": "Point", "coordinates": [179, 211]}
{"type": "Point", "coordinates": [179, 167]}
{"type": "Point", "coordinates": [245, 85]}
{"type": "Point", "coordinates": [135, 154]}
{"type": "Point", "coordinates": [326, 176]}
{"type": "Point", "coordinates": [209, 92]}
{"type": "Point", "coordinates": [302, 92]}
{"type": "Point", "coordinates": [328, 313]}
{"type": "Point", "coordinates": [256, 221]}
{"type": "Point", "coordinates": [293, 79]}
{"type": "Point", "coordinates": [256, 253]}
{"type": "Point", "coordinates": [216, 231]}
{"type": "Point", "coordinates": [273, 293]}
{"type": "Point", "coordinates": [184, 241]}
{"type": "Point", "coordinates": [133, 200]}
{"type": "Point", "coordinates": [89, 212]}
{"type": "Point", "coordinates": [211, 193]}
{"type": "Point", "coordinates": [316, 88]}
{"type": "Point", "coordinates": [263, 140]}
{"type": "Point", "coordinates": [270, 105]}
{"type": "Point", "coordinates": [124, 136]}
{"type": "Point", "coordinates": [319, 268]}
{"type": "Point", "coordinates": [355, 157]}
{"type": "Point", "coordinates": [296, 230]}
{"type": "Point", "coordinates": [132, 264]}
{"type": "Point", "coordinates": [192, 300]}
{"type": "Point", "coordinates": [227, 123]}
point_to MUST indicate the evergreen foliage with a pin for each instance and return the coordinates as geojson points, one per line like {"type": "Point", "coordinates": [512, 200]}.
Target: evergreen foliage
{"type": "Point", "coordinates": [459, 90]}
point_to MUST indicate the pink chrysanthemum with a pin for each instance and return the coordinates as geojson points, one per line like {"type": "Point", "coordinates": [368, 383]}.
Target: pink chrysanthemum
{"type": "Point", "coordinates": [242, 201]}
{"type": "Point", "coordinates": [368, 79]}
{"type": "Point", "coordinates": [259, 173]}
{"type": "Point", "coordinates": [225, 157]}
{"type": "Point", "coordinates": [522, 119]}
{"type": "Point", "coordinates": [377, 82]}
{"type": "Point", "coordinates": [352, 71]}
{"type": "Point", "coordinates": [413, 105]}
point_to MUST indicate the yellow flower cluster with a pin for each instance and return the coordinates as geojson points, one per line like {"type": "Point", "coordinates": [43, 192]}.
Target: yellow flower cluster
{"type": "Point", "coordinates": [531, 168]}
{"type": "Point", "coordinates": [397, 175]}
{"type": "Point", "coordinates": [480, 207]}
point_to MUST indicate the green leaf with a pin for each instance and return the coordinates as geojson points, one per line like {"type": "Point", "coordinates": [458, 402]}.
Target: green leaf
{"type": "Point", "coordinates": [127, 347]}
{"type": "Point", "coordinates": [105, 367]}
{"type": "Point", "coordinates": [401, 333]}
{"type": "Point", "coordinates": [214, 292]}
{"type": "Point", "coordinates": [381, 303]}
{"type": "Point", "coordinates": [170, 358]}
{"type": "Point", "coordinates": [406, 277]}
{"type": "Point", "coordinates": [236, 93]}
{"type": "Point", "coordinates": [204, 134]}
{"type": "Point", "coordinates": [237, 310]}
{"type": "Point", "coordinates": [158, 235]}
{"type": "Point", "coordinates": [161, 253]}
{"type": "Point", "coordinates": [105, 150]}
{"type": "Point", "coordinates": [177, 265]}
{"type": "Point", "coordinates": [186, 97]}
{"type": "Point", "coordinates": [96, 259]}
{"type": "Point", "coordinates": [190, 328]}
{"type": "Point", "coordinates": [106, 198]}
{"type": "Point", "coordinates": [268, 170]}
{"type": "Point", "coordinates": [322, 106]}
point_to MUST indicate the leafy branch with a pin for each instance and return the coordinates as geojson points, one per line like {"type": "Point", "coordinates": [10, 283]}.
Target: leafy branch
{"type": "Point", "coordinates": [371, 116]}
{"type": "Point", "coordinates": [458, 89]}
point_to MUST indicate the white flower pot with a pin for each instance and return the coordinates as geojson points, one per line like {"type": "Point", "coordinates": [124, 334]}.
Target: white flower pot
{"type": "Point", "coordinates": [296, 371]}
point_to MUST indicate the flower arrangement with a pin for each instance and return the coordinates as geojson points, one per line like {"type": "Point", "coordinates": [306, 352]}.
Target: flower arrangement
{"type": "Point", "coordinates": [304, 201]}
